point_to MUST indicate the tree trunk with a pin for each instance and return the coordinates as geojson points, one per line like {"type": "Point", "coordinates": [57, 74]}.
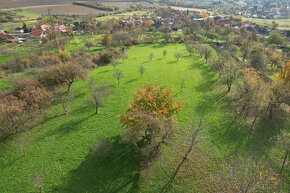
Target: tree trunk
{"type": "Point", "coordinates": [69, 85]}
{"type": "Point", "coordinates": [270, 111]}
{"type": "Point", "coordinates": [284, 161]}
{"type": "Point", "coordinates": [97, 108]}
{"type": "Point", "coordinates": [64, 106]}
{"type": "Point", "coordinates": [229, 88]}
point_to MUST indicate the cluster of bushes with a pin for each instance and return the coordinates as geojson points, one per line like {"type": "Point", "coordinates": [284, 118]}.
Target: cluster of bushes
{"type": "Point", "coordinates": [48, 74]}
{"type": "Point", "coordinates": [6, 16]}
{"type": "Point", "coordinates": [21, 105]}
{"type": "Point", "coordinates": [96, 5]}
{"type": "Point", "coordinates": [106, 57]}
{"type": "Point", "coordinates": [21, 63]}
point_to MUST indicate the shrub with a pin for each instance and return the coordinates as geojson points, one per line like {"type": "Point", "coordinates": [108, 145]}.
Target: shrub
{"type": "Point", "coordinates": [19, 84]}
{"type": "Point", "coordinates": [106, 57]}
{"type": "Point", "coordinates": [63, 74]}
{"type": "Point", "coordinates": [2, 74]}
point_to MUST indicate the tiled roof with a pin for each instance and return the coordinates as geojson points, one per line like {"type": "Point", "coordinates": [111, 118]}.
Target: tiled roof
{"type": "Point", "coordinates": [36, 32]}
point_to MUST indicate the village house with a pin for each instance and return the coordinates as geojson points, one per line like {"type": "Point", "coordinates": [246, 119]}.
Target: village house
{"type": "Point", "coordinates": [40, 31]}
{"type": "Point", "coordinates": [19, 30]}
{"type": "Point", "coordinates": [4, 37]}
{"type": "Point", "coordinates": [61, 28]}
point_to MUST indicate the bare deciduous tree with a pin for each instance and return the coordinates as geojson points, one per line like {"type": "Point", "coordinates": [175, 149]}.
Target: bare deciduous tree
{"type": "Point", "coordinates": [37, 181]}
{"type": "Point", "coordinates": [101, 147]}
{"type": "Point", "coordinates": [118, 74]}
{"type": "Point", "coordinates": [164, 53]}
{"type": "Point", "coordinates": [177, 55]}
{"type": "Point", "coordinates": [151, 55]}
{"type": "Point", "coordinates": [114, 64]}
{"type": "Point", "coordinates": [142, 70]}
{"type": "Point", "coordinates": [21, 142]}
{"type": "Point", "coordinates": [98, 94]}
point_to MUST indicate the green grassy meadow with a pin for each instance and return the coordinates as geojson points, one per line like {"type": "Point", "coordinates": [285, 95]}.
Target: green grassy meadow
{"type": "Point", "coordinates": [20, 17]}
{"type": "Point", "coordinates": [59, 146]}
{"type": "Point", "coordinates": [122, 15]}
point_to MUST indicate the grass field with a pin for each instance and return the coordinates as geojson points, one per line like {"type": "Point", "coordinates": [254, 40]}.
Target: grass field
{"type": "Point", "coordinates": [122, 15]}
{"type": "Point", "coordinates": [59, 146]}
{"type": "Point", "coordinates": [22, 16]}
{"type": "Point", "coordinates": [190, 9]}
{"type": "Point", "coordinates": [284, 24]}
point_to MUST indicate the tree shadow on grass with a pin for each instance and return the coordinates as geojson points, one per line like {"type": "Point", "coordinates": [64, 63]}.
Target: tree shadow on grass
{"type": "Point", "coordinates": [160, 45]}
{"type": "Point", "coordinates": [104, 71]}
{"type": "Point", "coordinates": [115, 172]}
{"type": "Point", "coordinates": [131, 80]}
{"type": "Point", "coordinates": [68, 125]}
{"type": "Point", "coordinates": [236, 136]}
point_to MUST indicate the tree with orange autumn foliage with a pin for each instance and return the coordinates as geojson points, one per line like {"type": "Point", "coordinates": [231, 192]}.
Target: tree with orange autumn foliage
{"type": "Point", "coordinates": [148, 120]}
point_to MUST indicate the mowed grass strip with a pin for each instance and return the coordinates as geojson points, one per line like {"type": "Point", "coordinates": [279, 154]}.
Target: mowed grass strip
{"type": "Point", "coordinates": [59, 146]}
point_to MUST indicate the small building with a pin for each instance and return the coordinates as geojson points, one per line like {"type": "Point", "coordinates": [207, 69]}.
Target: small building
{"type": "Point", "coordinates": [40, 31]}
{"type": "Point", "coordinates": [13, 40]}
{"type": "Point", "coordinates": [4, 37]}
{"type": "Point", "coordinates": [61, 28]}
{"type": "Point", "coordinates": [19, 30]}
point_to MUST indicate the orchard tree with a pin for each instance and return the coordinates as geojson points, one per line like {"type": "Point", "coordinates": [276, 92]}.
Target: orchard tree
{"type": "Point", "coordinates": [142, 70]}
{"type": "Point", "coordinates": [125, 57]}
{"type": "Point", "coordinates": [189, 47]}
{"type": "Point", "coordinates": [252, 96]}
{"type": "Point", "coordinates": [12, 115]}
{"type": "Point", "coordinates": [114, 64]}
{"type": "Point", "coordinates": [89, 44]}
{"type": "Point", "coordinates": [206, 52]}
{"type": "Point", "coordinates": [64, 74]}
{"type": "Point", "coordinates": [230, 73]}
{"type": "Point", "coordinates": [98, 94]}
{"type": "Point", "coordinates": [17, 111]}
{"type": "Point", "coordinates": [107, 40]}
{"type": "Point", "coordinates": [149, 119]}
{"type": "Point", "coordinates": [21, 142]}
{"type": "Point", "coordinates": [118, 74]}
{"type": "Point", "coordinates": [64, 55]}
{"type": "Point", "coordinates": [246, 47]}
{"type": "Point", "coordinates": [151, 55]}
{"type": "Point", "coordinates": [275, 38]}
{"type": "Point", "coordinates": [164, 53]}
{"type": "Point", "coordinates": [165, 30]}
{"type": "Point", "coordinates": [258, 58]}
{"type": "Point", "coordinates": [177, 55]}
{"type": "Point", "coordinates": [276, 59]}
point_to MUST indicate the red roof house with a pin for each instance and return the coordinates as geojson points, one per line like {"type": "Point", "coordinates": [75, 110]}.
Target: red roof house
{"type": "Point", "coordinates": [4, 36]}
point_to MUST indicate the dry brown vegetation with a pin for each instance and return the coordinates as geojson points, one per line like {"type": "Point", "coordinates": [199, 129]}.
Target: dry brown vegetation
{"type": "Point", "coordinates": [20, 3]}
{"type": "Point", "coordinates": [67, 9]}
{"type": "Point", "coordinates": [61, 7]}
